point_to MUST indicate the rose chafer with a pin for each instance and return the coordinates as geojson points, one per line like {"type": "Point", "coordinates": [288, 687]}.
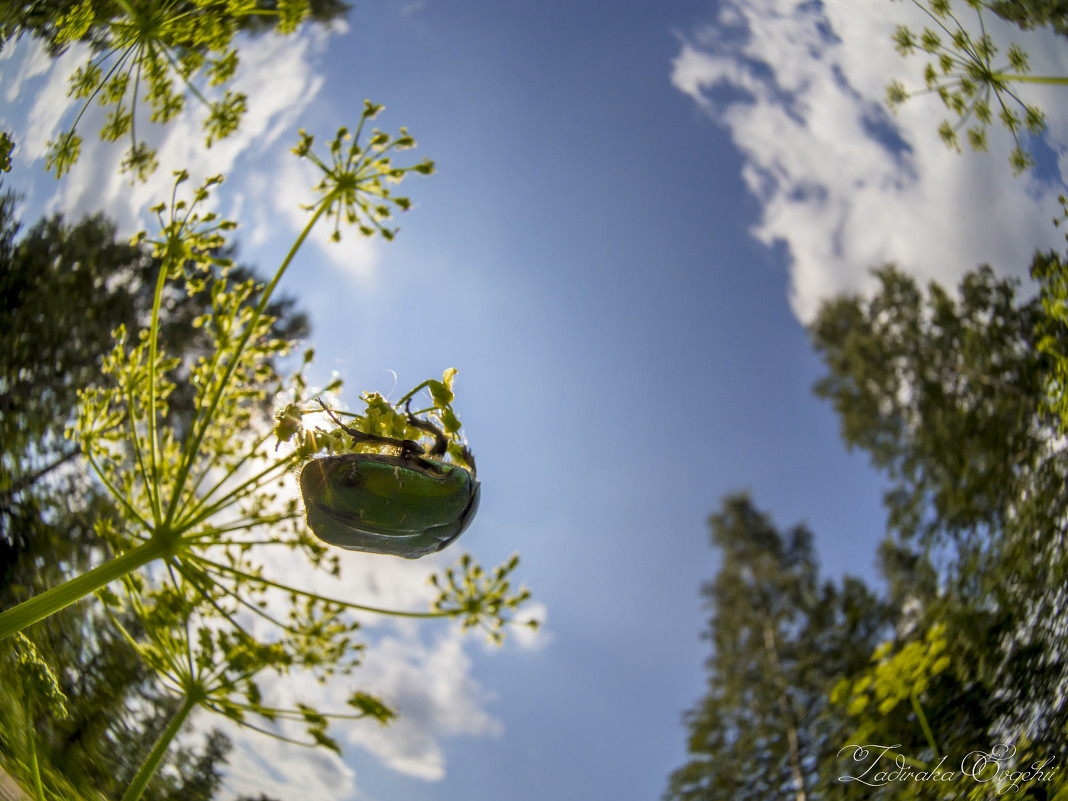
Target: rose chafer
{"type": "Point", "coordinates": [408, 503]}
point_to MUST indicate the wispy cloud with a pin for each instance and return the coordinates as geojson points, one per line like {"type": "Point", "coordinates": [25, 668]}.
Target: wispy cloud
{"type": "Point", "coordinates": [842, 184]}
{"type": "Point", "coordinates": [36, 61]}
{"type": "Point", "coordinates": [264, 765]}
{"type": "Point", "coordinates": [436, 697]}
{"type": "Point", "coordinates": [430, 685]}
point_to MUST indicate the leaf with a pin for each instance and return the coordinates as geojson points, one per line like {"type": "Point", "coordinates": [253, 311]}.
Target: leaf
{"type": "Point", "coordinates": [441, 393]}
{"type": "Point", "coordinates": [450, 421]}
{"type": "Point", "coordinates": [371, 707]}
{"type": "Point", "coordinates": [321, 738]}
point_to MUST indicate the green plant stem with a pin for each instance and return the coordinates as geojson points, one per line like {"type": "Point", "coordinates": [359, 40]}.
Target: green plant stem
{"type": "Point", "coordinates": [201, 423]}
{"type": "Point", "coordinates": [35, 768]}
{"type": "Point", "coordinates": [923, 723]}
{"type": "Point", "coordinates": [202, 498]}
{"type": "Point", "coordinates": [148, 769]}
{"type": "Point", "coordinates": [358, 607]}
{"type": "Point", "coordinates": [1049, 79]}
{"type": "Point", "coordinates": [152, 482]}
{"type": "Point", "coordinates": [203, 510]}
{"type": "Point", "coordinates": [266, 732]}
{"type": "Point", "coordinates": [41, 606]}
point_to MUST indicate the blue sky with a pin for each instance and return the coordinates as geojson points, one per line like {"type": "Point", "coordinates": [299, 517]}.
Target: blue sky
{"type": "Point", "coordinates": [636, 207]}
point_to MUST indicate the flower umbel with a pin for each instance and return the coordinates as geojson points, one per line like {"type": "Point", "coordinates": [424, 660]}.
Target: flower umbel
{"type": "Point", "coordinates": [479, 598]}
{"type": "Point", "coordinates": [963, 74]}
{"type": "Point", "coordinates": [356, 182]}
{"type": "Point", "coordinates": [153, 50]}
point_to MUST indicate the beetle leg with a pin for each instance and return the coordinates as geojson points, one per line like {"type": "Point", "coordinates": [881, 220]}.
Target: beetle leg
{"type": "Point", "coordinates": [406, 445]}
{"type": "Point", "coordinates": [440, 444]}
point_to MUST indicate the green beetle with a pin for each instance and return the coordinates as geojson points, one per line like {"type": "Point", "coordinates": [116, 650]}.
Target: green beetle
{"type": "Point", "coordinates": [407, 504]}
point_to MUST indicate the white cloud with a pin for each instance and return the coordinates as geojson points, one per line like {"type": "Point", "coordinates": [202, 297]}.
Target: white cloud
{"type": "Point", "coordinates": [411, 7]}
{"type": "Point", "coordinates": [50, 102]}
{"type": "Point", "coordinates": [428, 684]}
{"type": "Point", "coordinates": [526, 637]}
{"type": "Point", "coordinates": [435, 696]}
{"type": "Point", "coordinates": [35, 63]}
{"type": "Point", "coordinates": [261, 764]}
{"type": "Point", "coordinates": [843, 184]}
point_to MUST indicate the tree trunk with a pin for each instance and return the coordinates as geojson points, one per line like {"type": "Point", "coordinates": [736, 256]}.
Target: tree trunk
{"type": "Point", "coordinates": [787, 713]}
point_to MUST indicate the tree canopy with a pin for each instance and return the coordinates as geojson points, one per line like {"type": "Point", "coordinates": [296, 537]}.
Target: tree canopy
{"type": "Point", "coordinates": [954, 398]}
{"type": "Point", "coordinates": [1034, 13]}
{"type": "Point", "coordinates": [780, 638]}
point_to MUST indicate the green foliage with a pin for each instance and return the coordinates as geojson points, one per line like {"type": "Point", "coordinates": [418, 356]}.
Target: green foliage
{"type": "Point", "coordinates": [904, 676]}
{"type": "Point", "coordinates": [1051, 273]}
{"type": "Point", "coordinates": [38, 683]}
{"type": "Point", "coordinates": [479, 599]}
{"type": "Point", "coordinates": [43, 365]}
{"type": "Point", "coordinates": [196, 643]}
{"type": "Point", "coordinates": [7, 145]}
{"type": "Point", "coordinates": [194, 777]}
{"type": "Point", "coordinates": [962, 72]}
{"type": "Point", "coordinates": [944, 396]}
{"type": "Point", "coordinates": [46, 20]}
{"type": "Point", "coordinates": [917, 696]}
{"type": "Point", "coordinates": [49, 512]}
{"type": "Point", "coordinates": [1033, 13]}
{"type": "Point", "coordinates": [384, 420]}
{"type": "Point", "coordinates": [947, 397]}
{"type": "Point", "coordinates": [94, 747]}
